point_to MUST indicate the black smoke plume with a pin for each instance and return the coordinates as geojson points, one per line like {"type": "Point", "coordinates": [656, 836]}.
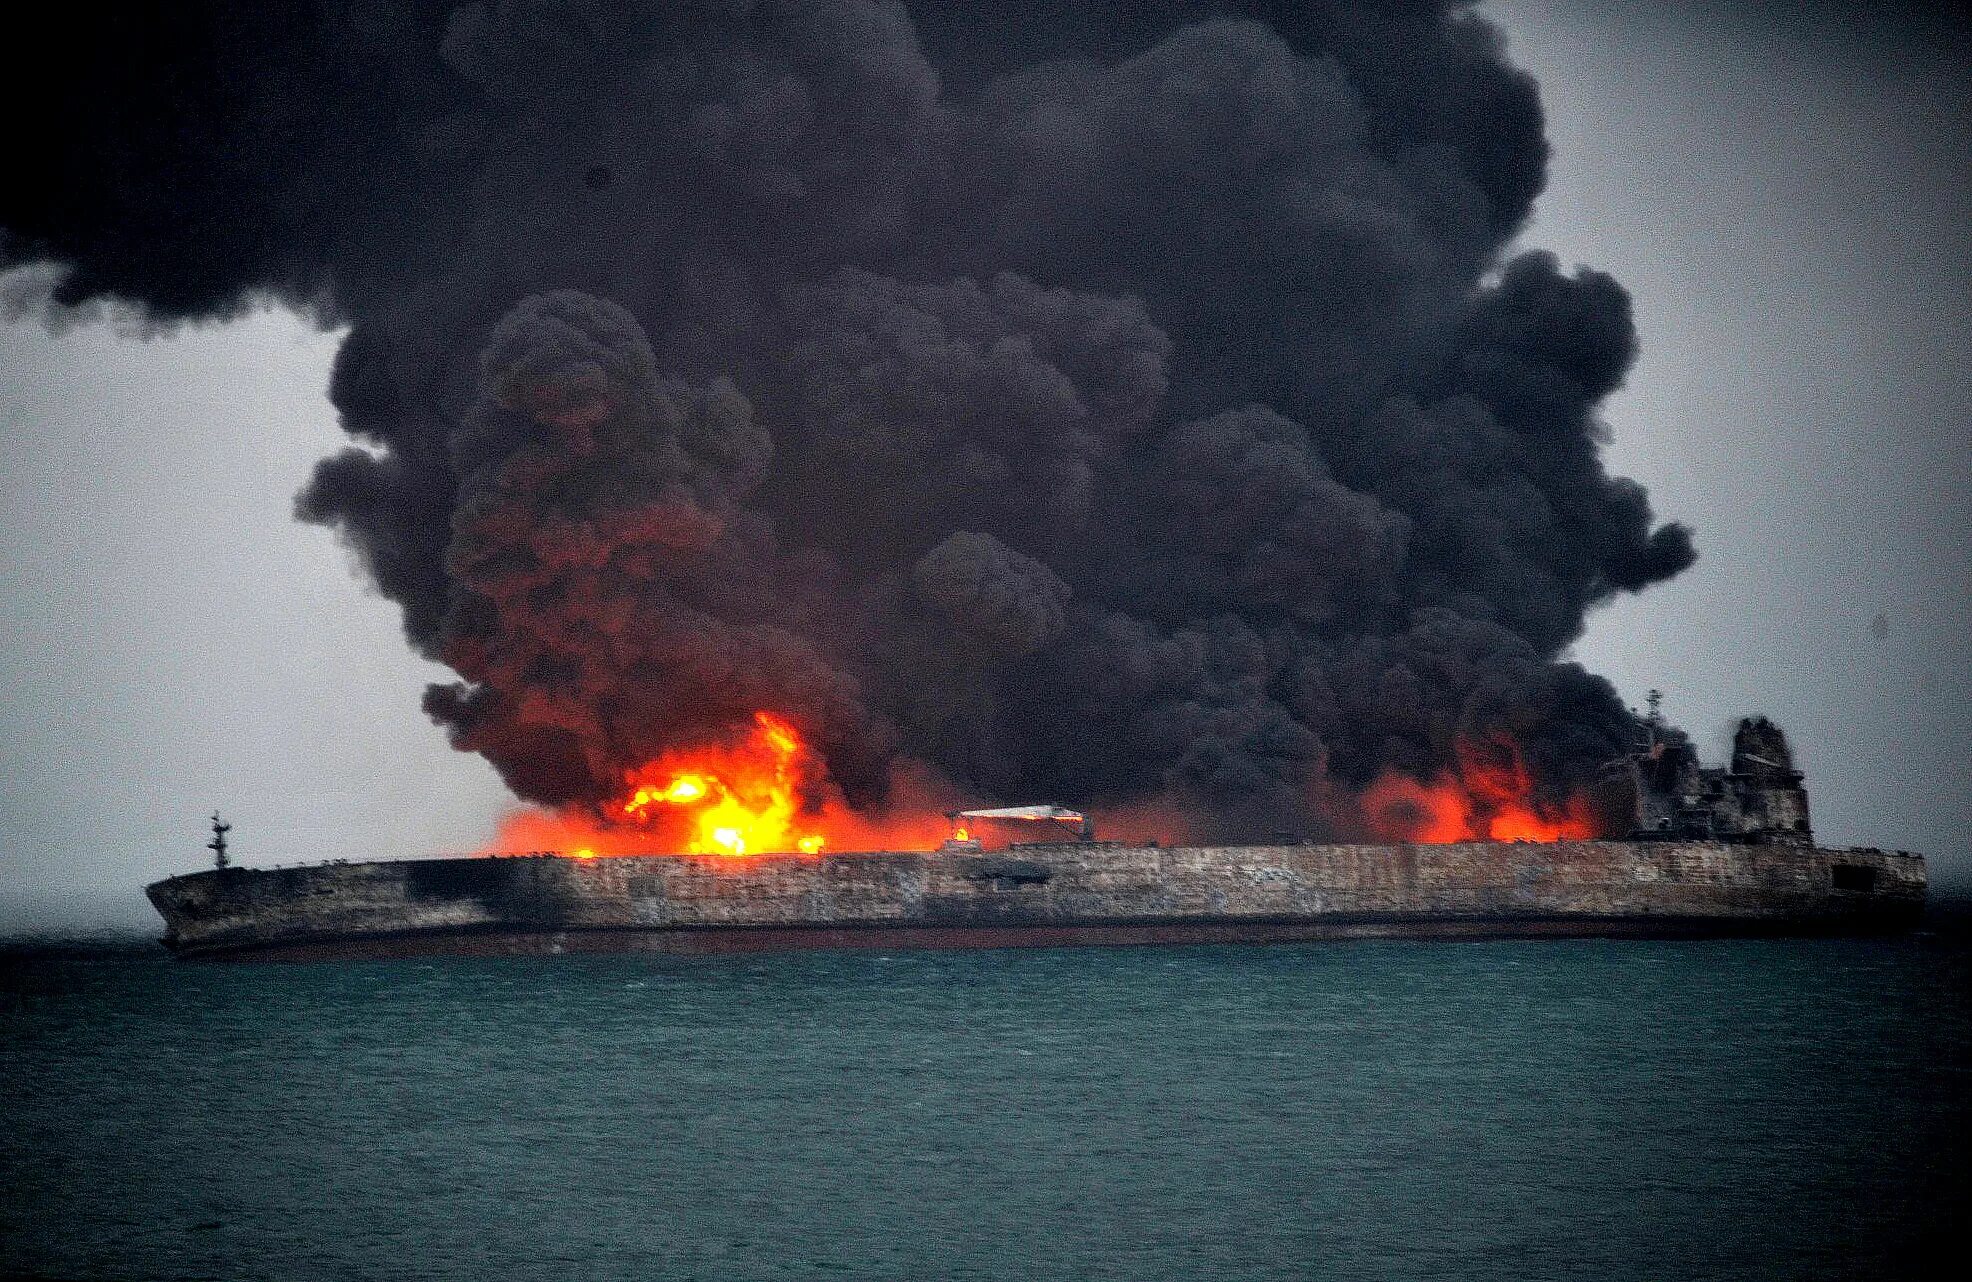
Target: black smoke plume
{"type": "Point", "coordinates": [1097, 401]}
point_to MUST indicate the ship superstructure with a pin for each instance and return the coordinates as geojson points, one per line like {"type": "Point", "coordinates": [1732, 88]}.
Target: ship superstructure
{"type": "Point", "coordinates": [1757, 797]}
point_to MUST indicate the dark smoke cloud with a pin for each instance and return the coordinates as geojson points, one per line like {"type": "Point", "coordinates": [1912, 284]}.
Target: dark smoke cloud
{"type": "Point", "coordinates": [1096, 401]}
{"type": "Point", "coordinates": [991, 595]}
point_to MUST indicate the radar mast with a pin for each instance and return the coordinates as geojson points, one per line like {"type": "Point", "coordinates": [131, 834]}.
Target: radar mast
{"type": "Point", "coordinates": [218, 843]}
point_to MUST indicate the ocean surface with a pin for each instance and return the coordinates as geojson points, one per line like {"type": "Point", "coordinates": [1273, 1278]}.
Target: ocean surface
{"type": "Point", "coordinates": [1512, 1110]}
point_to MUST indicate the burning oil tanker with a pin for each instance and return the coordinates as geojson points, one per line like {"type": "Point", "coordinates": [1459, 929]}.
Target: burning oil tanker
{"type": "Point", "coordinates": [774, 416]}
{"type": "Point", "coordinates": [1715, 852]}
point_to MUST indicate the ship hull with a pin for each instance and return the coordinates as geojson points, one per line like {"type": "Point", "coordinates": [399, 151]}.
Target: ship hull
{"type": "Point", "coordinates": [702, 942]}
{"type": "Point", "coordinates": [1072, 894]}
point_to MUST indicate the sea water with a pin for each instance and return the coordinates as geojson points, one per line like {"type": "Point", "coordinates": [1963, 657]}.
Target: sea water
{"type": "Point", "coordinates": [1512, 1110]}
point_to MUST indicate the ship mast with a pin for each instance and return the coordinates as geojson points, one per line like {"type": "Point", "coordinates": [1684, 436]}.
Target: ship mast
{"type": "Point", "coordinates": [218, 843]}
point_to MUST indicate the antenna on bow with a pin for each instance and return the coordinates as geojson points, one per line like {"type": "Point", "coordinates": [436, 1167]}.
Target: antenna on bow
{"type": "Point", "coordinates": [218, 843]}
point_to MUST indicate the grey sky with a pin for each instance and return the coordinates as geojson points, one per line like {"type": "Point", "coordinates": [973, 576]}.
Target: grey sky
{"type": "Point", "coordinates": [174, 642]}
{"type": "Point", "coordinates": [1791, 212]}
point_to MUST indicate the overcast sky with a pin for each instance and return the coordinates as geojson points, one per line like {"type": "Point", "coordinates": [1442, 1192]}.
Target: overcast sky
{"type": "Point", "coordinates": [1790, 205]}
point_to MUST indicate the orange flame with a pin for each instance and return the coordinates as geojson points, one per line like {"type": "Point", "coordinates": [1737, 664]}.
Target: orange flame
{"type": "Point", "coordinates": [766, 792]}
{"type": "Point", "coordinates": [1488, 797]}
{"type": "Point", "coordinates": [738, 800]}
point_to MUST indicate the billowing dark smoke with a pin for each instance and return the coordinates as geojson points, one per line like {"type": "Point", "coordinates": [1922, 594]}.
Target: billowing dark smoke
{"type": "Point", "coordinates": [1097, 401]}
